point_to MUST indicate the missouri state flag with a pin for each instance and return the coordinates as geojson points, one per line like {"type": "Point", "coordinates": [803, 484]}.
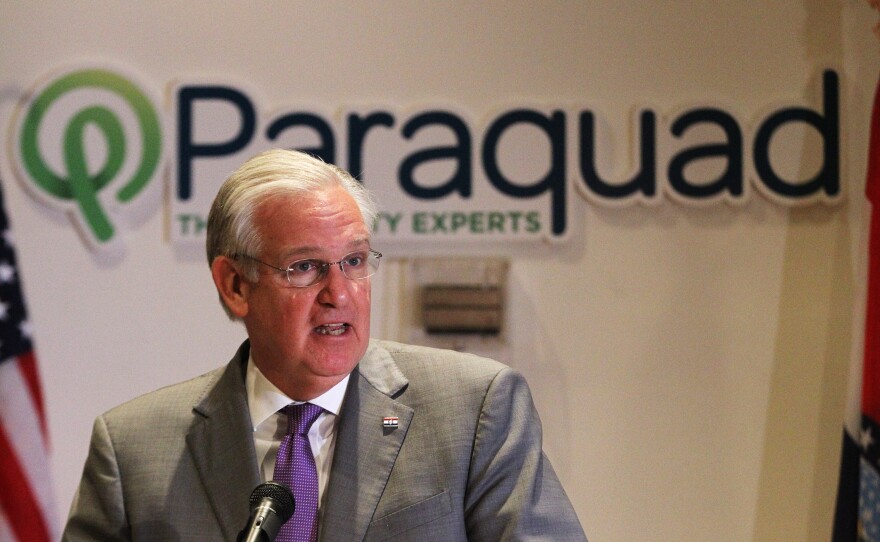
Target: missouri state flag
{"type": "Point", "coordinates": [857, 517]}
{"type": "Point", "coordinates": [27, 508]}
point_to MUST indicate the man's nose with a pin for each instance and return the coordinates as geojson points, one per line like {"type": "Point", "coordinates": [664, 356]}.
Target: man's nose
{"type": "Point", "coordinates": [335, 286]}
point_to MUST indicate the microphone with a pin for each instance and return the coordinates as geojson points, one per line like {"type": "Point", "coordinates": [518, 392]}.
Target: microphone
{"type": "Point", "coordinates": [271, 506]}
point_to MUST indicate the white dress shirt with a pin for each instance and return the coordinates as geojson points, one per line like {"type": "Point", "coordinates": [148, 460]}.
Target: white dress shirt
{"type": "Point", "coordinates": [270, 426]}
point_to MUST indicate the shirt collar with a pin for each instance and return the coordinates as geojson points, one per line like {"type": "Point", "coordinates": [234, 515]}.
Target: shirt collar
{"type": "Point", "coordinates": [265, 399]}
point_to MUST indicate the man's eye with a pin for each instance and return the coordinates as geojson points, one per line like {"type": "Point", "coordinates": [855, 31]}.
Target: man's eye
{"type": "Point", "coordinates": [303, 266]}
{"type": "Point", "coordinates": [355, 260]}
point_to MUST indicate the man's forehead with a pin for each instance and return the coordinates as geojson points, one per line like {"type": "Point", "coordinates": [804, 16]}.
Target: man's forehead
{"type": "Point", "coordinates": [284, 201]}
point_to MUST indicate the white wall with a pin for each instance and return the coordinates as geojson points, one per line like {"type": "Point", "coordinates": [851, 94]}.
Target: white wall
{"type": "Point", "coordinates": [690, 364]}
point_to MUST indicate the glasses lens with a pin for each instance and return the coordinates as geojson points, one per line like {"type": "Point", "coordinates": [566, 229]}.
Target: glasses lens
{"type": "Point", "coordinates": [357, 265]}
{"type": "Point", "coordinates": [360, 265]}
{"type": "Point", "coordinates": [304, 273]}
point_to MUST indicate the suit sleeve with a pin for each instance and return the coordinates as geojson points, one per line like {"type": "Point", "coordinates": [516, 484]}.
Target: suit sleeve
{"type": "Point", "coordinates": [98, 509]}
{"type": "Point", "coordinates": [513, 492]}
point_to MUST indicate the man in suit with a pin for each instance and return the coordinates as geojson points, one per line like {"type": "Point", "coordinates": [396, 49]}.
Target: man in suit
{"type": "Point", "coordinates": [409, 443]}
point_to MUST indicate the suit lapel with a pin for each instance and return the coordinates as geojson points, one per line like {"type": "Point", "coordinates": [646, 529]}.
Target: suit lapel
{"type": "Point", "coordinates": [222, 447]}
{"type": "Point", "coordinates": [365, 451]}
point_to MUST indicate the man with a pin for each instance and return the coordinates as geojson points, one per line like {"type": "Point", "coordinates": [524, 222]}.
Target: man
{"type": "Point", "coordinates": [410, 443]}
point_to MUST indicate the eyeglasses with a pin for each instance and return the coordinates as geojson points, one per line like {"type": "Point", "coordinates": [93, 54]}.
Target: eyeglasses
{"type": "Point", "coordinates": [302, 273]}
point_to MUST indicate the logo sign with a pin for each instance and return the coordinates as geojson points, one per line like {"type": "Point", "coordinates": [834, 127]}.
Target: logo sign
{"type": "Point", "coordinates": [442, 175]}
{"type": "Point", "coordinates": [89, 142]}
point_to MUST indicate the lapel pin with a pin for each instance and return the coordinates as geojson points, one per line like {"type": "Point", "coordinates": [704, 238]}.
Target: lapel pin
{"type": "Point", "coordinates": [390, 422]}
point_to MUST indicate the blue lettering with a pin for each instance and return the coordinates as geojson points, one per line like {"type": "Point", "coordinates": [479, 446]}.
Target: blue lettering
{"type": "Point", "coordinates": [326, 151]}
{"type": "Point", "coordinates": [644, 180]}
{"type": "Point", "coordinates": [461, 152]}
{"type": "Point", "coordinates": [188, 150]}
{"type": "Point", "coordinates": [357, 133]}
{"type": "Point", "coordinates": [828, 126]}
{"type": "Point", "coordinates": [732, 178]}
{"type": "Point", "coordinates": [554, 181]}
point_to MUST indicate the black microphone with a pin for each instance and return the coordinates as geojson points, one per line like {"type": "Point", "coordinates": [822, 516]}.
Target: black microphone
{"type": "Point", "coordinates": [271, 506]}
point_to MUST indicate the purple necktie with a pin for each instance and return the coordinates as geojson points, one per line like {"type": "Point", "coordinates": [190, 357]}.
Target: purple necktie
{"type": "Point", "coordinates": [295, 467]}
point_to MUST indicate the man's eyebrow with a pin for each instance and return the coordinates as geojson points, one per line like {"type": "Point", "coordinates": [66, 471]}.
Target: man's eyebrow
{"type": "Point", "coordinates": [306, 251]}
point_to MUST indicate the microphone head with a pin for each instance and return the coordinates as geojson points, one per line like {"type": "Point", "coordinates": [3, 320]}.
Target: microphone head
{"type": "Point", "coordinates": [280, 494]}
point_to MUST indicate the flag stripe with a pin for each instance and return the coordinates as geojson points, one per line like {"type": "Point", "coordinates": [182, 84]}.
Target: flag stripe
{"type": "Point", "coordinates": [25, 465]}
{"type": "Point", "coordinates": [5, 527]}
{"type": "Point", "coordinates": [17, 497]}
{"type": "Point", "coordinates": [19, 417]}
{"type": "Point", "coordinates": [871, 369]}
{"type": "Point", "coordinates": [28, 364]}
{"type": "Point", "coordinates": [872, 181]}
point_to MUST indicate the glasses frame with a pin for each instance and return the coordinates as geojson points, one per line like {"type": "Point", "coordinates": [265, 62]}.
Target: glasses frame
{"type": "Point", "coordinates": [323, 266]}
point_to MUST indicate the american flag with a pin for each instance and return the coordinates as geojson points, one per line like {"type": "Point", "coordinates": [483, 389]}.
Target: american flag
{"type": "Point", "coordinates": [27, 508]}
{"type": "Point", "coordinates": [857, 515]}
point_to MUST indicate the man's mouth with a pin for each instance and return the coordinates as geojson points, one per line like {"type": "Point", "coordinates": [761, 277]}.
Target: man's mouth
{"type": "Point", "coordinates": [331, 329]}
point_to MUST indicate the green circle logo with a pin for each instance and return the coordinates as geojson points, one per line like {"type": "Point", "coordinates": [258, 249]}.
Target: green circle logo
{"type": "Point", "coordinates": [81, 182]}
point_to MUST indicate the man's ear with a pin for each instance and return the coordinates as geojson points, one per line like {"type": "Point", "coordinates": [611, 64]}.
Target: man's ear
{"type": "Point", "coordinates": [231, 285]}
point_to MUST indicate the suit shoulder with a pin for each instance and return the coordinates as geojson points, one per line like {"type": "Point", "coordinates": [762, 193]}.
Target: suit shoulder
{"type": "Point", "coordinates": [414, 360]}
{"type": "Point", "coordinates": [160, 402]}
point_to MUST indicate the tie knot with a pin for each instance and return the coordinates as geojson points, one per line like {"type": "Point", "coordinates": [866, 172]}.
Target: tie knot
{"type": "Point", "coordinates": [301, 417]}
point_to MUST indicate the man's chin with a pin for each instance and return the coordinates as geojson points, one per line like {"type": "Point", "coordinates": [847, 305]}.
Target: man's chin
{"type": "Point", "coordinates": [337, 363]}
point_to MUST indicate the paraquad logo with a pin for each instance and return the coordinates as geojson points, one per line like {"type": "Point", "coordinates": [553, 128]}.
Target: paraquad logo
{"type": "Point", "coordinates": [88, 143]}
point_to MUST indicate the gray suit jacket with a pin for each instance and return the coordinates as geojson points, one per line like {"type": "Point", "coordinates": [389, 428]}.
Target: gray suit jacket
{"type": "Point", "coordinates": [465, 462]}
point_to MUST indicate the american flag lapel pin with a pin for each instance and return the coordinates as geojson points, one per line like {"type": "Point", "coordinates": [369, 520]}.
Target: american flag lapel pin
{"type": "Point", "coordinates": [390, 422]}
